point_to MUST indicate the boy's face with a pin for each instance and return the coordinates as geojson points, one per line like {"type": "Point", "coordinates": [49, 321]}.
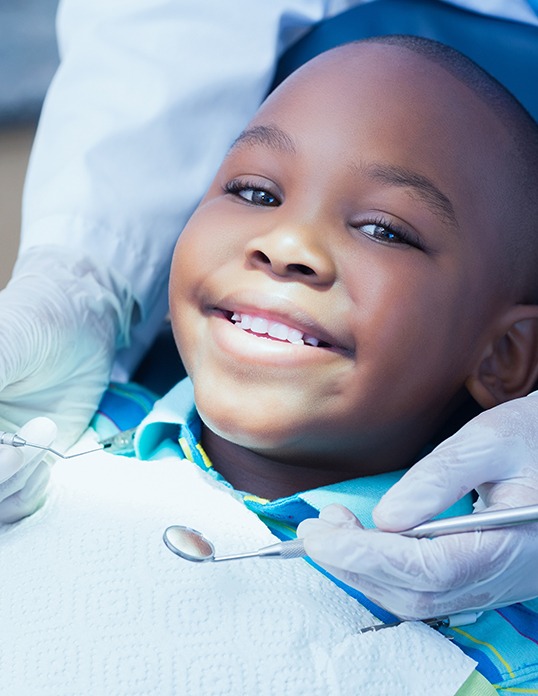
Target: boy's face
{"type": "Point", "coordinates": [329, 294]}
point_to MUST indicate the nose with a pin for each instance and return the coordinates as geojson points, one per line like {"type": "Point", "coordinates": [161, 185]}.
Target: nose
{"type": "Point", "coordinates": [292, 253]}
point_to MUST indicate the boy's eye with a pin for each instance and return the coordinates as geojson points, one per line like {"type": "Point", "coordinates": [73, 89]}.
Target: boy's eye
{"type": "Point", "coordinates": [258, 196]}
{"type": "Point", "coordinates": [385, 232]}
{"type": "Point", "coordinates": [251, 193]}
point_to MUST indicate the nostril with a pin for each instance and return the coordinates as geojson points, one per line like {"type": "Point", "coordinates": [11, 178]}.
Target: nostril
{"type": "Point", "coordinates": [261, 257]}
{"type": "Point", "coordinates": [276, 264]}
{"type": "Point", "coordinates": [300, 268]}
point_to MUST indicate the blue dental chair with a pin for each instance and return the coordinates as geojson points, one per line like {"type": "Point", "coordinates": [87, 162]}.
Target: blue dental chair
{"type": "Point", "coordinates": [508, 50]}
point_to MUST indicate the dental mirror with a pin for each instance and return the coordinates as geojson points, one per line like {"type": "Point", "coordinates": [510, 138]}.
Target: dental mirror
{"type": "Point", "coordinates": [188, 544]}
{"type": "Point", "coordinates": [193, 546]}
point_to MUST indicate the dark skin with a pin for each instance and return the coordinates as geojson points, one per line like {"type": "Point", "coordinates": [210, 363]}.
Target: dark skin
{"type": "Point", "coordinates": [281, 479]}
{"type": "Point", "coordinates": [338, 293]}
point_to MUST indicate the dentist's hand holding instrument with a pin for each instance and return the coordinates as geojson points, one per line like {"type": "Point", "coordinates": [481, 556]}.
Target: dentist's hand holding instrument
{"type": "Point", "coordinates": [24, 472]}
{"type": "Point", "coordinates": [495, 454]}
{"type": "Point", "coordinates": [62, 319]}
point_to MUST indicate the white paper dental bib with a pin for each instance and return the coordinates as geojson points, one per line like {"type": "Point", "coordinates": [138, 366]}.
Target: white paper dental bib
{"type": "Point", "coordinates": [92, 602]}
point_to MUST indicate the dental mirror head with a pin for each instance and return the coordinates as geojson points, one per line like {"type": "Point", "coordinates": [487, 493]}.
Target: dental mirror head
{"type": "Point", "coordinates": [188, 543]}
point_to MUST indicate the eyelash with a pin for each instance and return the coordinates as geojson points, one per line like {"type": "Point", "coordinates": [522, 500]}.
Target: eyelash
{"type": "Point", "coordinates": [237, 186]}
{"type": "Point", "coordinates": [399, 236]}
{"type": "Point", "coordinates": [393, 233]}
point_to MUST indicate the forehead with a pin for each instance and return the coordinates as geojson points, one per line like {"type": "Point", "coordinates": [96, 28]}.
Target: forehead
{"type": "Point", "coordinates": [386, 104]}
{"type": "Point", "coordinates": [396, 88]}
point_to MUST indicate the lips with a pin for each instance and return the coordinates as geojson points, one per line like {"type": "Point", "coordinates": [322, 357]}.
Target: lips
{"type": "Point", "coordinates": [274, 329]}
{"type": "Point", "coordinates": [276, 319]}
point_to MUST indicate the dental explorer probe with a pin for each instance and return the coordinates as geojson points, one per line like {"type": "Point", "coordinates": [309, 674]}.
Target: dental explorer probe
{"type": "Point", "coordinates": [14, 440]}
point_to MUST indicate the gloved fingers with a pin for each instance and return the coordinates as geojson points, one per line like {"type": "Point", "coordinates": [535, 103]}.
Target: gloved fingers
{"type": "Point", "coordinates": [420, 578]}
{"type": "Point", "coordinates": [339, 515]}
{"type": "Point", "coordinates": [312, 526]}
{"type": "Point", "coordinates": [497, 446]}
{"type": "Point", "coordinates": [39, 431]}
{"type": "Point", "coordinates": [11, 460]}
{"type": "Point", "coordinates": [410, 604]}
{"type": "Point", "coordinates": [331, 517]}
{"type": "Point", "coordinates": [26, 500]}
{"type": "Point", "coordinates": [23, 461]}
{"type": "Point", "coordinates": [426, 565]}
{"type": "Point", "coordinates": [18, 479]}
{"type": "Point", "coordinates": [58, 299]}
{"type": "Point", "coordinates": [518, 492]}
{"type": "Point", "coordinates": [404, 603]}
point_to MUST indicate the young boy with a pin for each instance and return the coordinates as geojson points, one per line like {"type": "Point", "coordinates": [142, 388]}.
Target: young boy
{"type": "Point", "coordinates": [361, 268]}
{"type": "Point", "coordinates": [363, 262]}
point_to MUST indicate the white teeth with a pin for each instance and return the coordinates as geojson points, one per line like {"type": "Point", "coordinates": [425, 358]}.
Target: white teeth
{"type": "Point", "coordinates": [258, 325]}
{"type": "Point", "coordinates": [246, 322]}
{"type": "Point", "coordinates": [295, 336]}
{"type": "Point", "coordinates": [275, 329]}
{"type": "Point", "coordinates": [278, 330]}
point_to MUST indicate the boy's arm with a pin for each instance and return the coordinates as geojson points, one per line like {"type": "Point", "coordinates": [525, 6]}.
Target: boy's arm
{"type": "Point", "coordinates": [495, 454]}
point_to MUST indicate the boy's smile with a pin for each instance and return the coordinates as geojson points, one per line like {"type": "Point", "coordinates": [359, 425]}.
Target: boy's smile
{"type": "Point", "coordinates": [326, 295]}
{"type": "Point", "coordinates": [286, 330]}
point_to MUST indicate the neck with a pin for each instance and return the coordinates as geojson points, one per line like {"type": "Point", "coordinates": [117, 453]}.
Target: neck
{"type": "Point", "coordinates": [269, 478]}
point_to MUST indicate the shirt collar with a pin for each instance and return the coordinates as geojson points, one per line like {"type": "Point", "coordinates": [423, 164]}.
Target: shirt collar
{"type": "Point", "coordinates": [163, 422]}
{"type": "Point", "coordinates": [174, 417]}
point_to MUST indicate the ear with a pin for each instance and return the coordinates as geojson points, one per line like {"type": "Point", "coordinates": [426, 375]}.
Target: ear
{"type": "Point", "coordinates": [508, 367]}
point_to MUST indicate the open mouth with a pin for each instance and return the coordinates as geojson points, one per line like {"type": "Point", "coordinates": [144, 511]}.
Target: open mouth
{"type": "Point", "coordinates": [260, 326]}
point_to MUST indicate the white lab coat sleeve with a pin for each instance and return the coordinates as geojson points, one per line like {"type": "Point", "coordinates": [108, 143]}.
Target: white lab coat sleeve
{"type": "Point", "coordinates": [147, 99]}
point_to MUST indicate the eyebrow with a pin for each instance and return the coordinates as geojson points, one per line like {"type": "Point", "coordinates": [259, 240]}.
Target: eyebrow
{"type": "Point", "coordinates": [268, 136]}
{"type": "Point", "coordinates": [425, 189]}
{"type": "Point", "coordinates": [275, 138]}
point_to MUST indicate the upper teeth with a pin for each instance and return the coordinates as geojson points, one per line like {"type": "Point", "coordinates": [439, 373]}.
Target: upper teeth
{"type": "Point", "coordinates": [275, 329]}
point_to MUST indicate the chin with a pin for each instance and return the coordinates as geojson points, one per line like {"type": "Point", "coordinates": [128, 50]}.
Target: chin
{"type": "Point", "coordinates": [242, 415]}
{"type": "Point", "coordinates": [240, 427]}
{"type": "Point", "coordinates": [249, 435]}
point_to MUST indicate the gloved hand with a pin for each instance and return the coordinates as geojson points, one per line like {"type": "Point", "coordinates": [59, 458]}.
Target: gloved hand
{"type": "Point", "coordinates": [24, 471]}
{"type": "Point", "coordinates": [62, 319]}
{"type": "Point", "coordinates": [497, 454]}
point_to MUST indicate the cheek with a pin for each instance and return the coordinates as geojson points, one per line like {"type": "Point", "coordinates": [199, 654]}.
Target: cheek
{"type": "Point", "coordinates": [407, 313]}
{"type": "Point", "coordinates": [197, 252]}
{"type": "Point", "coordinates": [388, 295]}
{"type": "Point", "coordinates": [213, 236]}
{"type": "Point", "coordinates": [184, 279]}
{"type": "Point", "coordinates": [180, 273]}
